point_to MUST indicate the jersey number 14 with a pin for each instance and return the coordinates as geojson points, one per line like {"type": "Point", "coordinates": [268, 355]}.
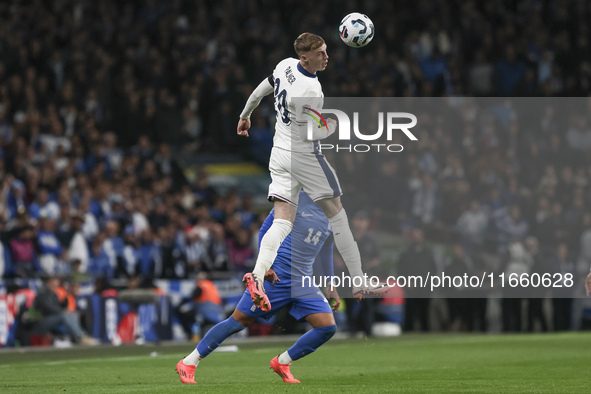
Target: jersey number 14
{"type": "Point", "coordinates": [313, 239]}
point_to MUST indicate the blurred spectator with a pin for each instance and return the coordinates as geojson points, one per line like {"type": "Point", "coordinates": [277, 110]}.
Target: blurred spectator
{"type": "Point", "coordinates": [551, 231]}
{"type": "Point", "coordinates": [203, 190]}
{"type": "Point", "coordinates": [460, 301]}
{"type": "Point", "coordinates": [78, 247]}
{"type": "Point", "coordinates": [216, 256]}
{"type": "Point", "coordinates": [202, 310]}
{"type": "Point", "coordinates": [196, 239]}
{"type": "Point", "coordinates": [535, 304]}
{"type": "Point", "coordinates": [99, 263]}
{"type": "Point", "coordinates": [361, 315]}
{"type": "Point", "coordinates": [585, 240]}
{"type": "Point", "coordinates": [171, 254]}
{"type": "Point", "coordinates": [22, 251]}
{"type": "Point", "coordinates": [518, 261]}
{"type": "Point", "coordinates": [416, 260]}
{"type": "Point", "coordinates": [240, 252]}
{"type": "Point", "coordinates": [509, 71]}
{"type": "Point", "coordinates": [113, 246]}
{"type": "Point", "coordinates": [424, 203]}
{"type": "Point", "coordinates": [245, 212]}
{"type": "Point", "coordinates": [481, 75]}
{"type": "Point", "coordinates": [54, 314]}
{"type": "Point", "coordinates": [15, 198]}
{"type": "Point", "coordinates": [511, 227]}
{"type": "Point", "coordinates": [149, 257]}
{"type": "Point", "coordinates": [128, 261]}
{"type": "Point", "coordinates": [563, 292]}
{"type": "Point", "coordinates": [42, 203]}
{"type": "Point", "coordinates": [472, 224]}
{"type": "Point", "coordinates": [51, 255]}
{"type": "Point", "coordinates": [90, 227]}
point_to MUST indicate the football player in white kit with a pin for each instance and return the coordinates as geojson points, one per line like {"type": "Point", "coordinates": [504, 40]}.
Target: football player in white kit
{"type": "Point", "coordinates": [297, 163]}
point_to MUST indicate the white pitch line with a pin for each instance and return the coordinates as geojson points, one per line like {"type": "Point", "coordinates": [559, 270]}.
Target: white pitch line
{"type": "Point", "coordinates": [101, 359]}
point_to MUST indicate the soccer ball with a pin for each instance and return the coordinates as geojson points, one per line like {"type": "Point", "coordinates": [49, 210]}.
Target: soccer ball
{"type": "Point", "coordinates": [356, 30]}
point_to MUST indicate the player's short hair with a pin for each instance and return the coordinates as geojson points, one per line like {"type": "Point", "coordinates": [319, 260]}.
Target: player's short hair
{"type": "Point", "coordinates": [307, 42]}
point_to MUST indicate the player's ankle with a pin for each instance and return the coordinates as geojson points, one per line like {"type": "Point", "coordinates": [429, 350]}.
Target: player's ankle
{"type": "Point", "coordinates": [284, 358]}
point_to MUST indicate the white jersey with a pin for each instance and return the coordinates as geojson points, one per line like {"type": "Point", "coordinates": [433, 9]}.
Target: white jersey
{"type": "Point", "coordinates": [291, 80]}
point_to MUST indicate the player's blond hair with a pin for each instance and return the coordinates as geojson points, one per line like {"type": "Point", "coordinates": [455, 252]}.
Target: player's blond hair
{"type": "Point", "coordinates": [307, 42]}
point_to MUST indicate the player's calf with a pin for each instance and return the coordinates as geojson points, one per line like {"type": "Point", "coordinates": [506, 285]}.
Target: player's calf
{"type": "Point", "coordinates": [307, 344]}
{"type": "Point", "coordinates": [214, 337]}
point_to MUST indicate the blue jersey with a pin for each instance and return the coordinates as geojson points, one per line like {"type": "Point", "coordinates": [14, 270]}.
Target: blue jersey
{"type": "Point", "coordinates": [308, 246]}
{"type": "Point", "coordinates": [307, 250]}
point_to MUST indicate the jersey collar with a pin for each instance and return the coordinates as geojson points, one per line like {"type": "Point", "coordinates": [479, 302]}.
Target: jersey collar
{"type": "Point", "coordinates": [305, 72]}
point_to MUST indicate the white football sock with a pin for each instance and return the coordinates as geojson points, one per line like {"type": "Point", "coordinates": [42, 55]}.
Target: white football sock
{"type": "Point", "coordinates": [284, 358]}
{"type": "Point", "coordinates": [193, 358]}
{"type": "Point", "coordinates": [345, 243]}
{"type": "Point", "coordinates": [270, 244]}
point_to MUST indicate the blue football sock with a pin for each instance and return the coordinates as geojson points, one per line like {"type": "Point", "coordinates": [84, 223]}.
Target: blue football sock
{"type": "Point", "coordinates": [310, 341]}
{"type": "Point", "coordinates": [217, 335]}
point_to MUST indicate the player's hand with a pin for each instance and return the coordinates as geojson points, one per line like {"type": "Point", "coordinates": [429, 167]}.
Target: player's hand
{"type": "Point", "coordinates": [272, 277]}
{"type": "Point", "coordinates": [332, 295]}
{"type": "Point", "coordinates": [332, 121]}
{"type": "Point", "coordinates": [588, 284]}
{"type": "Point", "coordinates": [243, 127]}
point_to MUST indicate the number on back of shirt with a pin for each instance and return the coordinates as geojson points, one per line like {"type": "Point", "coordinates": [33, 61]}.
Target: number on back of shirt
{"type": "Point", "coordinates": [280, 102]}
{"type": "Point", "coordinates": [313, 239]}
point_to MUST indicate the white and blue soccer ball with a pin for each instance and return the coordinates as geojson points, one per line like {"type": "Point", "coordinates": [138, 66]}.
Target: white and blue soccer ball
{"type": "Point", "coordinates": [356, 30]}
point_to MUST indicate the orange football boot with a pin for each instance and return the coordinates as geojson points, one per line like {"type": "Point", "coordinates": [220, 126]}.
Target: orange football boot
{"type": "Point", "coordinates": [257, 294]}
{"type": "Point", "coordinates": [186, 372]}
{"type": "Point", "coordinates": [283, 371]}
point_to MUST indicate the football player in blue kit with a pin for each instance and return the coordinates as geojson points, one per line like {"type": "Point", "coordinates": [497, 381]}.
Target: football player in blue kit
{"type": "Point", "coordinates": [310, 241]}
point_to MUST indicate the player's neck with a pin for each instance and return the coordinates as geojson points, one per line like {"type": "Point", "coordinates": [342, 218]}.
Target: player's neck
{"type": "Point", "coordinates": [307, 68]}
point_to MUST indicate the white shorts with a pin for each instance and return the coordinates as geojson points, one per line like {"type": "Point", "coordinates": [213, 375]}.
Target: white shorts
{"type": "Point", "coordinates": [293, 171]}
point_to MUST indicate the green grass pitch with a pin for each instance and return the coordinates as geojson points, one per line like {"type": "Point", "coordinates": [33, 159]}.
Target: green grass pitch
{"type": "Point", "coordinates": [541, 363]}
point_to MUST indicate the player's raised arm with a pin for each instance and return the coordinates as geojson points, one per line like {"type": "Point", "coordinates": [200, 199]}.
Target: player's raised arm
{"type": "Point", "coordinates": [264, 88]}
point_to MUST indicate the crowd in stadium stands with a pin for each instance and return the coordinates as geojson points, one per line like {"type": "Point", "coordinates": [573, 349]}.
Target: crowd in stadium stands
{"type": "Point", "coordinates": [94, 97]}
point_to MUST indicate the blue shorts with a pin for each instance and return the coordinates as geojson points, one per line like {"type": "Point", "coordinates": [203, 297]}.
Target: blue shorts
{"type": "Point", "coordinates": [280, 297]}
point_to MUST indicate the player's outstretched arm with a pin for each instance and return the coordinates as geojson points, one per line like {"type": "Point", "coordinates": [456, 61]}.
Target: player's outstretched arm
{"type": "Point", "coordinates": [588, 284]}
{"type": "Point", "coordinates": [264, 88]}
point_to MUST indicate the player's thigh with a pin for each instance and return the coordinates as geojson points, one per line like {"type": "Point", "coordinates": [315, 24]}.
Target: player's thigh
{"type": "Point", "coordinates": [279, 297]}
{"type": "Point", "coordinates": [284, 210]}
{"type": "Point", "coordinates": [321, 319]}
{"type": "Point", "coordinates": [284, 186]}
{"type": "Point", "coordinates": [315, 304]}
{"type": "Point", "coordinates": [316, 176]}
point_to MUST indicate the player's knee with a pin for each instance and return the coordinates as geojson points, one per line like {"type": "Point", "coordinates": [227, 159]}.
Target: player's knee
{"type": "Point", "coordinates": [242, 318]}
{"type": "Point", "coordinates": [247, 322]}
{"type": "Point", "coordinates": [330, 206]}
{"type": "Point", "coordinates": [327, 332]}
